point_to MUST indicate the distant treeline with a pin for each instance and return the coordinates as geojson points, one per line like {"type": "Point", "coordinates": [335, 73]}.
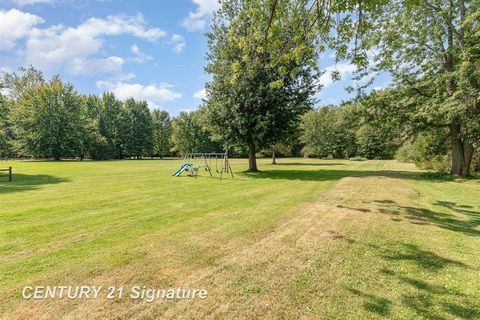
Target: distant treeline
{"type": "Point", "coordinates": [50, 119]}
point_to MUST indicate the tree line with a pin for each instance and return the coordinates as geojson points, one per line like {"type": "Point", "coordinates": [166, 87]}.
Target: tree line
{"type": "Point", "coordinates": [263, 58]}
{"type": "Point", "coordinates": [49, 119]}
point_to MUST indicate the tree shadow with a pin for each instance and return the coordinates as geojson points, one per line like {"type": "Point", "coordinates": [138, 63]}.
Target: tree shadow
{"type": "Point", "coordinates": [467, 224]}
{"type": "Point", "coordinates": [363, 210]}
{"type": "Point", "coordinates": [426, 297]}
{"type": "Point", "coordinates": [309, 164]}
{"type": "Point", "coordinates": [425, 259]}
{"type": "Point", "coordinates": [373, 303]}
{"type": "Point", "coordinates": [25, 182]}
{"type": "Point", "coordinates": [329, 174]}
{"type": "Point", "coordinates": [301, 175]}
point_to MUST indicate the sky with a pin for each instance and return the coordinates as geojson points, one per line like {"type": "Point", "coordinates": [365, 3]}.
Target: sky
{"type": "Point", "coordinates": [152, 50]}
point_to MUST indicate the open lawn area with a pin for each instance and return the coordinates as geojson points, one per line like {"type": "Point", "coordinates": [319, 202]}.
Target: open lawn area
{"type": "Point", "coordinates": [311, 239]}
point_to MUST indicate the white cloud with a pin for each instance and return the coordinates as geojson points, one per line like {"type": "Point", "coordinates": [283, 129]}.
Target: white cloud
{"type": "Point", "coordinates": [178, 42]}
{"type": "Point", "coordinates": [342, 69]}
{"type": "Point", "coordinates": [139, 57]}
{"type": "Point", "coordinates": [76, 49]}
{"type": "Point", "coordinates": [121, 24]}
{"type": "Point", "coordinates": [126, 77]}
{"type": "Point", "coordinates": [27, 2]}
{"type": "Point", "coordinates": [91, 66]}
{"type": "Point", "coordinates": [201, 94]}
{"type": "Point", "coordinates": [197, 20]}
{"type": "Point", "coordinates": [14, 25]}
{"type": "Point", "coordinates": [152, 93]}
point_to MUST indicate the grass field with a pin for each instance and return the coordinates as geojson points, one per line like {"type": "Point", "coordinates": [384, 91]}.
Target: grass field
{"type": "Point", "coordinates": [304, 239]}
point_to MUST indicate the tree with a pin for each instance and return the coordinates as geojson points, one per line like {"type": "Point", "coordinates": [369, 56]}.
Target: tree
{"type": "Point", "coordinates": [260, 88]}
{"type": "Point", "coordinates": [93, 144]}
{"type": "Point", "coordinates": [109, 126]}
{"type": "Point", "coordinates": [138, 129]}
{"type": "Point", "coordinates": [17, 84]}
{"type": "Point", "coordinates": [162, 132]}
{"type": "Point", "coordinates": [48, 120]}
{"type": "Point", "coordinates": [431, 49]}
{"type": "Point", "coordinates": [189, 134]}
{"type": "Point", "coordinates": [5, 147]}
{"type": "Point", "coordinates": [331, 131]}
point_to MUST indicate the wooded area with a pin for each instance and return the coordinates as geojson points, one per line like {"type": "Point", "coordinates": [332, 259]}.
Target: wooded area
{"type": "Point", "coordinates": [263, 58]}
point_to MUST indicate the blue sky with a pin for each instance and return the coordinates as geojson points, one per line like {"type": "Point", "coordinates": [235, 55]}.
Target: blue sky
{"type": "Point", "coordinates": [150, 49]}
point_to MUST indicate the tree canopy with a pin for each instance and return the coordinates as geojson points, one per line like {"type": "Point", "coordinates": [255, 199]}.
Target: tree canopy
{"type": "Point", "coordinates": [259, 91]}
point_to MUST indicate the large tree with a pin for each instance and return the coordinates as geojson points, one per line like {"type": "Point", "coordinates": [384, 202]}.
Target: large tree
{"type": "Point", "coordinates": [5, 147]}
{"type": "Point", "coordinates": [138, 128]}
{"type": "Point", "coordinates": [162, 132]}
{"type": "Point", "coordinates": [48, 120]}
{"type": "Point", "coordinates": [263, 70]}
{"type": "Point", "coordinates": [110, 123]}
{"type": "Point", "coordinates": [431, 48]}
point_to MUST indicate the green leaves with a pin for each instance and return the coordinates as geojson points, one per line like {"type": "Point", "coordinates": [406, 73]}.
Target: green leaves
{"type": "Point", "coordinates": [263, 75]}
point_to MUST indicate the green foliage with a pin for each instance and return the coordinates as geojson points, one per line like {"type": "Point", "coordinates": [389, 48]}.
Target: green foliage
{"type": "Point", "coordinates": [260, 85]}
{"type": "Point", "coordinates": [4, 114]}
{"type": "Point", "coordinates": [137, 128]}
{"type": "Point", "coordinates": [189, 134]}
{"type": "Point", "coordinates": [349, 130]}
{"type": "Point", "coordinates": [429, 150]}
{"type": "Point", "coordinates": [162, 131]}
{"type": "Point", "coordinates": [110, 125]}
{"type": "Point", "coordinates": [432, 50]}
{"type": "Point", "coordinates": [329, 131]}
{"type": "Point", "coordinates": [358, 159]}
{"type": "Point", "coordinates": [48, 120]}
{"type": "Point", "coordinates": [376, 143]}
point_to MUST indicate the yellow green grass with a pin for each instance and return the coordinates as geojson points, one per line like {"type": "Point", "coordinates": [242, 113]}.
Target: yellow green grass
{"type": "Point", "coordinates": [305, 239]}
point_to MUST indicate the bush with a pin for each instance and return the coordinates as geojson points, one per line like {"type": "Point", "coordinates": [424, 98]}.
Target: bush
{"type": "Point", "coordinates": [358, 159]}
{"type": "Point", "coordinates": [429, 151]}
{"type": "Point", "coordinates": [405, 153]}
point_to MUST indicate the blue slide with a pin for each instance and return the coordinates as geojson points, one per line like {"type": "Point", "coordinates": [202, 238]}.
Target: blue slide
{"type": "Point", "coordinates": [182, 168]}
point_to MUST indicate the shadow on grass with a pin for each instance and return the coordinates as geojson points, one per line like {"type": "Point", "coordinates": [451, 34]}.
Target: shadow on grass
{"type": "Point", "coordinates": [373, 303]}
{"type": "Point", "coordinates": [25, 182]}
{"type": "Point", "coordinates": [329, 174]}
{"type": "Point", "coordinates": [425, 259]}
{"type": "Point", "coordinates": [420, 291]}
{"type": "Point", "coordinates": [325, 164]}
{"type": "Point", "coordinates": [466, 221]}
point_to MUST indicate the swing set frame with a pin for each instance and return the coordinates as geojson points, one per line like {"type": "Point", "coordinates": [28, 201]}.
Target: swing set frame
{"type": "Point", "coordinates": [205, 160]}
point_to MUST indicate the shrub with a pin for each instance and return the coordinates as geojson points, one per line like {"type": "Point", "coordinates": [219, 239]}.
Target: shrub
{"type": "Point", "coordinates": [358, 159]}
{"type": "Point", "coordinates": [428, 151]}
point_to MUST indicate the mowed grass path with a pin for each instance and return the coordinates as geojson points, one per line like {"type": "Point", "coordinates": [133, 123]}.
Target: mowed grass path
{"type": "Point", "coordinates": [303, 239]}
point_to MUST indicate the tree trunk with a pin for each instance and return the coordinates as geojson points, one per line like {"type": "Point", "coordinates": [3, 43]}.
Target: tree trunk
{"type": "Point", "coordinates": [252, 159]}
{"type": "Point", "coordinates": [274, 159]}
{"type": "Point", "coordinates": [57, 158]}
{"type": "Point", "coordinates": [462, 153]}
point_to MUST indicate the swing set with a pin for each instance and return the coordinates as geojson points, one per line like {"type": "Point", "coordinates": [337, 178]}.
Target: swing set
{"type": "Point", "coordinates": [192, 162]}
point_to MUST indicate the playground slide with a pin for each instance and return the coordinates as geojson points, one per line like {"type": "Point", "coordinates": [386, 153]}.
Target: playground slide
{"type": "Point", "coordinates": [182, 168]}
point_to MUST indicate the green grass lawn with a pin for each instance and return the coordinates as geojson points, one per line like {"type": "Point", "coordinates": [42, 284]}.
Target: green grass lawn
{"type": "Point", "coordinates": [303, 239]}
